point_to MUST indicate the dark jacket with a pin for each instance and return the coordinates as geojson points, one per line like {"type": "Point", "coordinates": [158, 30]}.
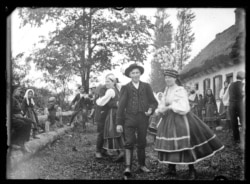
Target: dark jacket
{"type": "Point", "coordinates": [133, 101]}
{"type": "Point", "coordinates": [16, 106]}
{"type": "Point", "coordinates": [235, 92]}
{"type": "Point", "coordinates": [82, 103]}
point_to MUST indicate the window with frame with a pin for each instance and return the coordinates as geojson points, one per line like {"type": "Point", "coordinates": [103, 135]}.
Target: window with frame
{"type": "Point", "coordinates": [217, 86]}
{"type": "Point", "coordinates": [206, 85]}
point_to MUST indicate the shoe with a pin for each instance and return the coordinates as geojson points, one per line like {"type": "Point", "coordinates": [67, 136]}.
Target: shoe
{"type": "Point", "coordinates": [144, 169]}
{"type": "Point", "coordinates": [98, 155]}
{"type": "Point", "coordinates": [127, 172]}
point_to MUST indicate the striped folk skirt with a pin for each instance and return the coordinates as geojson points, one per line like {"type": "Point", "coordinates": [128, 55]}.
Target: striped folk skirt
{"type": "Point", "coordinates": [112, 139]}
{"type": "Point", "coordinates": [184, 139]}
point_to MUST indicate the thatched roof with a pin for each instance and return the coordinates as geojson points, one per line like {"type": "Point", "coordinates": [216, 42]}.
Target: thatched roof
{"type": "Point", "coordinates": [217, 51]}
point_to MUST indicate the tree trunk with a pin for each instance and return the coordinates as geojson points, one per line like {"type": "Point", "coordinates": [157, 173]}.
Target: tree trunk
{"type": "Point", "coordinates": [83, 73]}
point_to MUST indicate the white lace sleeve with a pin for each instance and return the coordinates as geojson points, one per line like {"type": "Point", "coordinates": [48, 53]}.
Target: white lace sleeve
{"type": "Point", "coordinates": [180, 103]}
{"type": "Point", "coordinates": [101, 101]}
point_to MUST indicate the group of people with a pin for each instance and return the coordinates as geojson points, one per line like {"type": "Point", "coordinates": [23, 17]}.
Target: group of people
{"type": "Point", "coordinates": [24, 122]}
{"type": "Point", "coordinates": [231, 106]}
{"type": "Point", "coordinates": [123, 117]}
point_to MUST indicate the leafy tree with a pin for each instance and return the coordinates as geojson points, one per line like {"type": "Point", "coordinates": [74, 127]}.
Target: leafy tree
{"type": "Point", "coordinates": [19, 71]}
{"type": "Point", "coordinates": [163, 38]}
{"type": "Point", "coordinates": [184, 36]}
{"type": "Point", "coordinates": [85, 39]}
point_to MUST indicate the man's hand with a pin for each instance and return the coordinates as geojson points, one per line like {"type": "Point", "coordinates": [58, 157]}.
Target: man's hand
{"type": "Point", "coordinates": [149, 112]}
{"type": "Point", "coordinates": [119, 128]}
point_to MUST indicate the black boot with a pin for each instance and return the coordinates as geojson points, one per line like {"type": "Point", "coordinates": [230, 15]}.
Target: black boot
{"type": "Point", "coordinates": [141, 159]}
{"type": "Point", "coordinates": [192, 172]}
{"type": "Point", "coordinates": [128, 162]}
{"type": "Point", "coordinates": [120, 157]}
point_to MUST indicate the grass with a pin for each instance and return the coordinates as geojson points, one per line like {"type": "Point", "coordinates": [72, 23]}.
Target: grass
{"type": "Point", "coordinates": [72, 157]}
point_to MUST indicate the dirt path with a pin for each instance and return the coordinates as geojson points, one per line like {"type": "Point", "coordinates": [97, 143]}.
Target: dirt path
{"type": "Point", "coordinates": [72, 157]}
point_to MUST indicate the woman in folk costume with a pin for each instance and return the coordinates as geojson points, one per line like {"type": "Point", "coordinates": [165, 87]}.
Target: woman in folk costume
{"type": "Point", "coordinates": [28, 109]}
{"type": "Point", "coordinates": [113, 141]}
{"type": "Point", "coordinates": [182, 138]}
{"type": "Point", "coordinates": [210, 108]}
{"type": "Point", "coordinates": [154, 120]}
{"type": "Point", "coordinates": [193, 101]}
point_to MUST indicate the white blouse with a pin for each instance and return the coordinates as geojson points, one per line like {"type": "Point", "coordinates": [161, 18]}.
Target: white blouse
{"type": "Point", "coordinates": [101, 101]}
{"type": "Point", "coordinates": [176, 98]}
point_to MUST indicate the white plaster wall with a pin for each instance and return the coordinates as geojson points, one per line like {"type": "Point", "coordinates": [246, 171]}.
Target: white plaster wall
{"type": "Point", "coordinates": [222, 72]}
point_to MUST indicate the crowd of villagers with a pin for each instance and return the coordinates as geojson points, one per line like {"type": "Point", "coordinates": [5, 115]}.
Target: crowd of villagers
{"type": "Point", "coordinates": [181, 122]}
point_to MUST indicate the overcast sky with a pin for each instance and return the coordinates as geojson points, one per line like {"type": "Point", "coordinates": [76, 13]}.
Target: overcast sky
{"type": "Point", "coordinates": [208, 23]}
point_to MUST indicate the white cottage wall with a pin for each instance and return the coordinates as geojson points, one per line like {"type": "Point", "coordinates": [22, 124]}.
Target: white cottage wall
{"type": "Point", "coordinates": [223, 72]}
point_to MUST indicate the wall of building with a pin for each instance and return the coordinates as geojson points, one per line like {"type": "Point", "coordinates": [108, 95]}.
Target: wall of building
{"type": "Point", "coordinates": [223, 72]}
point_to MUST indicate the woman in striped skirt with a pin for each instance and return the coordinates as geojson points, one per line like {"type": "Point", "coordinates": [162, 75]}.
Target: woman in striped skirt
{"type": "Point", "coordinates": [182, 138]}
{"type": "Point", "coordinates": [113, 141]}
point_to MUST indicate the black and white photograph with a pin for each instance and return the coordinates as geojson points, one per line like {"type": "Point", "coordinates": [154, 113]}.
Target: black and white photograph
{"type": "Point", "coordinates": [123, 93]}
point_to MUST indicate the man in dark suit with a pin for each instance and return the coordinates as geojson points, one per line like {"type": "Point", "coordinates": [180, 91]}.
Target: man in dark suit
{"type": "Point", "coordinates": [81, 104]}
{"type": "Point", "coordinates": [136, 104]}
{"type": "Point", "coordinates": [236, 104]}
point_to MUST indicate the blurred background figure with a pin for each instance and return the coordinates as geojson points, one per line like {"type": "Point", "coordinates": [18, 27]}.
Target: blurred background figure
{"type": "Point", "coordinates": [210, 109]}
{"type": "Point", "coordinates": [80, 104]}
{"type": "Point", "coordinates": [28, 105]}
{"type": "Point", "coordinates": [193, 101]}
{"type": "Point", "coordinates": [53, 121]}
{"type": "Point", "coordinates": [236, 104]}
{"type": "Point", "coordinates": [20, 126]}
{"type": "Point", "coordinates": [224, 110]}
{"type": "Point", "coordinates": [200, 106]}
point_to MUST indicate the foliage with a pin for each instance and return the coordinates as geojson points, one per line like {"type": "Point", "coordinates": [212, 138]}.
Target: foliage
{"type": "Point", "coordinates": [86, 39]}
{"type": "Point", "coordinates": [163, 39]}
{"type": "Point", "coordinates": [184, 36]}
{"type": "Point", "coordinates": [19, 71]}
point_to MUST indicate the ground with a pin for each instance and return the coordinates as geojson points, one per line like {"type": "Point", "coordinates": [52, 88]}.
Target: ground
{"type": "Point", "coordinates": [72, 157]}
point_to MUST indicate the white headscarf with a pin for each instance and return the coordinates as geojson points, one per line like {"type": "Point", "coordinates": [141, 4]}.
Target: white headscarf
{"type": "Point", "coordinates": [26, 96]}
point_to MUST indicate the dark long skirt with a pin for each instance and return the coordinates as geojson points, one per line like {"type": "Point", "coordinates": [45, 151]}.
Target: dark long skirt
{"type": "Point", "coordinates": [185, 139]}
{"type": "Point", "coordinates": [32, 115]}
{"type": "Point", "coordinates": [112, 139]}
{"type": "Point", "coordinates": [20, 130]}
